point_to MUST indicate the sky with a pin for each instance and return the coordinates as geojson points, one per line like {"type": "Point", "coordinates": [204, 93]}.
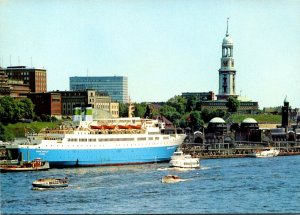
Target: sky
{"type": "Point", "coordinates": [164, 47]}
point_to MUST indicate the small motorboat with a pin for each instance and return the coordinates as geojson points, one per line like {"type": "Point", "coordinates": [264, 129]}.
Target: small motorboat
{"type": "Point", "coordinates": [35, 165]}
{"type": "Point", "coordinates": [181, 160]}
{"type": "Point", "coordinates": [271, 152]}
{"type": "Point", "coordinates": [171, 179]}
{"type": "Point", "coordinates": [50, 183]}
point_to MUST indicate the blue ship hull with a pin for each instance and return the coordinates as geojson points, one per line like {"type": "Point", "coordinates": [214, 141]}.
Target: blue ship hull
{"type": "Point", "coordinates": [99, 157]}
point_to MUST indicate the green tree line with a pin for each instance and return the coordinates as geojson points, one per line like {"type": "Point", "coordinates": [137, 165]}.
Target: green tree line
{"type": "Point", "coordinates": [13, 110]}
{"type": "Point", "coordinates": [181, 112]}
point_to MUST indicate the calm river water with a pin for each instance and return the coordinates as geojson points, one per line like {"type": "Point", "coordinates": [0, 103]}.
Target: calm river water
{"type": "Point", "coordinates": [246, 185]}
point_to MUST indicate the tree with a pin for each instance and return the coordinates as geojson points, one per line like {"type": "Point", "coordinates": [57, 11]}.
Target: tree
{"type": "Point", "coordinates": [179, 103]}
{"type": "Point", "coordinates": [232, 104]}
{"type": "Point", "coordinates": [195, 120]}
{"type": "Point", "coordinates": [183, 122]}
{"type": "Point", "coordinates": [27, 108]}
{"type": "Point", "coordinates": [5, 135]}
{"type": "Point", "coordinates": [170, 113]}
{"type": "Point", "coordinates": [191, 104]}
{"type": "Point", "coordinates": [148, 112]}
{"type": "Point", "coordinates": [123, 110]}
{"type": "Point", "coordinates": [205, 115]}
{"type": "Point", "coordinates": [218, 113]}
{"type": "Point", "coordinates": [140, 109]}
{"type": "Point", "coordinates": [8, 109]}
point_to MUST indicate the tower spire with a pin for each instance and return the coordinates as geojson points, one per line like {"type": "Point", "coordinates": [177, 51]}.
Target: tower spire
{"type": "Point", "coordinates": [227, 34]}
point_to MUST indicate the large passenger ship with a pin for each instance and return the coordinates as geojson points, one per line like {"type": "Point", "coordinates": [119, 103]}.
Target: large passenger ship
{"type": "Point", "coordinates": [102, 142]}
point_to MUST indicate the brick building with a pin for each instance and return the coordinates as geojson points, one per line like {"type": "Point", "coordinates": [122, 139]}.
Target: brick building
{"type": "Point", "coordinates": [12, 88]}
{"type": "Point", "coordinates": [46, 103]}
{"type": "Point", "coordinates": [35, 78]}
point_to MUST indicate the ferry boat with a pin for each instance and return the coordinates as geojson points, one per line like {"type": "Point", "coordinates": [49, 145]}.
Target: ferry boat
{"type": "Point", "coordinates": [50, 183]}
{"type": "Point", "coordinates": [271, 152]}
{"type": "Point", "coordinates": [185, 161]}
{"type": "Point", "coordinates": [91, 143]}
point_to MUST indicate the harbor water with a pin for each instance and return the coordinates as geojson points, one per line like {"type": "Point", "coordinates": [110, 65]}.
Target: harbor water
{"type": "Point", "coordinates": [235, 185]}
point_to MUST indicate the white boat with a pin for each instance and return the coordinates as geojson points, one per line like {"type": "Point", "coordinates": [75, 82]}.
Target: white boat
{"type": "Point", "coordinates": [272, 152]}
{"type": "Point", "coordinates": [181, 160]}
{"type": "Point", "coordinates": [50, 183]}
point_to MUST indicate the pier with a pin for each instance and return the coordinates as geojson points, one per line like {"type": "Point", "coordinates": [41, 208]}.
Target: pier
{"type": "Point", "coordinates": [238, 150]}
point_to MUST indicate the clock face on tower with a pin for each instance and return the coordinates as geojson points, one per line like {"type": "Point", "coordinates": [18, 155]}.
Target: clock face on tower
{"type": "Point", "coordinates": [225, 63]}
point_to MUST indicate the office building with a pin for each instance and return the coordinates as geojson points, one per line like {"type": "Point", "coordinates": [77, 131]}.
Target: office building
{"type": "Point", "coordinates": [35, 78]}
{"type": "Point", "coordinates": [13, 88]}
{"type": "Point", "coordinates": [115, 86]}
{"type": "Point", "coordinates": [84, 98]}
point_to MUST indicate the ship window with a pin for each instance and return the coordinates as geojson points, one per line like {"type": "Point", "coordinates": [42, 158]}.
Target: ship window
{"type": "Point", "coordinates": [165, 138]}
{"type": "Point", "coordinates": [82, 140]}
{"type": "Point", "coordinates": [150, 138]}
{"type": "Point", "coordinates": [92, 140]}
{"type": "Point", "coordinates": [156, 138]}
{"type": "Point", "coordinates": [141, 138]}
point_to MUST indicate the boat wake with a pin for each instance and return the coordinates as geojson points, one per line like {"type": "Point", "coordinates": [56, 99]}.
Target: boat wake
{"type": "Point", "coordinates": [205, 167]}
{"type": "Point", "coordinates": [44, 189]}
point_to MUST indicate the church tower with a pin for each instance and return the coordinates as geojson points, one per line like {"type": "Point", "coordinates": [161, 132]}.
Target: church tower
{"type": "Point", "coordinates": [227, 71]}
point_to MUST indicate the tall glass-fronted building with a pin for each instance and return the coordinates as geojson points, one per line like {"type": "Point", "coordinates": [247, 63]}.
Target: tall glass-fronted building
{"type": "Point", "coordinates": [115, 86]}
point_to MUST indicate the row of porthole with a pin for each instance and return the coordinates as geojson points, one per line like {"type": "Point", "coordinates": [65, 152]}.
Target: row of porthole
{"type": "Point", "coordinates": [114, 139]}
{"type": "Point", "coordinates": [104, 145]}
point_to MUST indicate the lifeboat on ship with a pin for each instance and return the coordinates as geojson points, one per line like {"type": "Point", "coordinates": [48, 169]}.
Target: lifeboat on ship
{"type": "Point", "coordinates": [109, 126]}
{"type": "Point", "coordinates": [135, 126]}
{"type": "Point", "coordinates": [123, 126]}
{"type": "Point", "coordinates": [97, 127]}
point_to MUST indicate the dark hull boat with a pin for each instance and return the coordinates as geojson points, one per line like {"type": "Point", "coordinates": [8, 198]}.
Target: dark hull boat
{"type": "Point", "coordinates": [35, 165]}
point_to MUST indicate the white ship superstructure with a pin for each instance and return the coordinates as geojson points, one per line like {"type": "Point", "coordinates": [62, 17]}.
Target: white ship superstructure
{"type": "Point", "coordinates": [102, 142]}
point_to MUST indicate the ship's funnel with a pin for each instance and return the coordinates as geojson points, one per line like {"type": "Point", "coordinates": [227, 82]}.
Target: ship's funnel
{"type": "Point", "coordinates": [88, 114]}
{"type": "Point", "coordinates": [77, 114]}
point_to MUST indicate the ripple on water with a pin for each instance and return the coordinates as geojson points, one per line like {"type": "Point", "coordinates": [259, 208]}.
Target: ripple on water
{"type": "Point", "coordinates": [219, 186]}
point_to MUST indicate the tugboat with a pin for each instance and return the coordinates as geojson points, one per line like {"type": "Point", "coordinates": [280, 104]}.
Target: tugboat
{"type": "Point", "coordinates": [50, 183]}
{"type": "Point", "coordinates": [35, 165]}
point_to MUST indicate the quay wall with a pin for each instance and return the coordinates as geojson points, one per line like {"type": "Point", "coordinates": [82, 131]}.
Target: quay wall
{"type": "Point", "coordinates": [240, 150]}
